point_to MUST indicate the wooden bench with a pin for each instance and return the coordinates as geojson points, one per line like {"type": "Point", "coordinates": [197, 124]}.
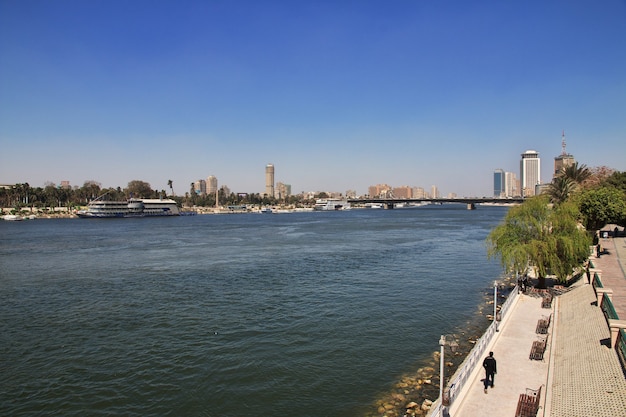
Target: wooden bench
{"type": "Point", "coordinates": [543, 325]}
{"type": "Point", "coordinates": [539, 347]}
{"type": "Point", "coordinates": [547, 301]}
{"type": "Point", "coordinates": [528, 404]}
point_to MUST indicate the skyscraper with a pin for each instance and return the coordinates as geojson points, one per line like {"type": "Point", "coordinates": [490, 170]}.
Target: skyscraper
{"type": "Point", "coordinates": [211, 184]}
{"type": "Point", "coordinates": [530, 172]}
{"type": "Point", "coordinates": [511, 185]}
{"type": "Point", "coordinates": [499, 184]}
{"type": "Point", "coordinates": [564, 160]}
{"type": "Point", "coordinates": [200, 187]}
{"type": "Point", "coordinates": [269, 180]}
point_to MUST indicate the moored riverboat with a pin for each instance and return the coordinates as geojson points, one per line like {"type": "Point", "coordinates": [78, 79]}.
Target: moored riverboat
{"type": "Point", "coordinates": [135, 207]}
{"type": "Point", "coordinates": [329, 204]}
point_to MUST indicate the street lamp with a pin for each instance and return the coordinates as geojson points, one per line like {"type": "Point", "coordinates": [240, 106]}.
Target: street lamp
{"type": "Point", "coordinates": [443, 341]}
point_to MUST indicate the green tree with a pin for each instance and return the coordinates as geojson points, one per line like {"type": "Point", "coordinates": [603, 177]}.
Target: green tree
{"type": "Point", "coordinates": [576, 173]}
{"type": "Point", "coordinates": [617, 180]}
{"type": "Point", "coordinates": [139, 189]}
{"type": "Point", "coordinates": [546, 239]}
{"type": "Point", "coordinates": [560, 189]}
{"type": "Point", "coordinates": [603, 205]}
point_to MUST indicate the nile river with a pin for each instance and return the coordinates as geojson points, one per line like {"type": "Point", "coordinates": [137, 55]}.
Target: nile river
{"type": "Point", "coordinates": [304, 314]}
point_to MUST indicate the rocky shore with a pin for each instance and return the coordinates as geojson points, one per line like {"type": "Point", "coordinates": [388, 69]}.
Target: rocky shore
{"type": "Point", "coordinates": [414, 394]}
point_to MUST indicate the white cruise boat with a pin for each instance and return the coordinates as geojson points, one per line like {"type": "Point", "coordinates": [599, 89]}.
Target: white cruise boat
{"type": "Point", "coordinates": [329, 204]}
{"type": "Point", "coordinates": [134, 207]}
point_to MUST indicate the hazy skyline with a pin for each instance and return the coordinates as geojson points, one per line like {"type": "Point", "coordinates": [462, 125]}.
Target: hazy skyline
{"type": "Point", "coordinates": [337, 95]}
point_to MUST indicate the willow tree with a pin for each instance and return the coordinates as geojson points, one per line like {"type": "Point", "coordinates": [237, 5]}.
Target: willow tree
{"type": "Point", "coordinates": [535, 235]}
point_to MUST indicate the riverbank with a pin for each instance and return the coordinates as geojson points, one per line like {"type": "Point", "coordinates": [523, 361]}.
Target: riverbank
{"type": "Point", "coordinates": [414, 394]}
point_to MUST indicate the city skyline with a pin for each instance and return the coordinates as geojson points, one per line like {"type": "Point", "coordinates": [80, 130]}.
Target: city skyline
{"type": "Point", "coordinates": [337, 96]}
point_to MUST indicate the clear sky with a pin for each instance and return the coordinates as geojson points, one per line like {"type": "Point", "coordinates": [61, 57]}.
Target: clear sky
{"type": "Point", "coordinates": [336, 94]}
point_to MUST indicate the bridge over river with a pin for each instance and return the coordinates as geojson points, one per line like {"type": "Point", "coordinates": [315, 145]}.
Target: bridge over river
{"type": "Point", "coordinates": [471, 202]}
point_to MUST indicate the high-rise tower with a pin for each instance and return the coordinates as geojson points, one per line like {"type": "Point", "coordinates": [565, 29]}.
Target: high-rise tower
{"type": "Point", "coordinates": [564, 160]}
{"type": "Point", "coordinates": [530, 172]}
{"type": "Point", "coordinates": [269, 180]}
{"type": "Point", "coordinates": [211, 184]}
{"type": "Point", "coordinates": [499, 184]}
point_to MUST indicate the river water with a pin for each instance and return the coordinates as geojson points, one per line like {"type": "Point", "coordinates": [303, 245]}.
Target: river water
{"type": "Point", "coordinates": [304, 314]}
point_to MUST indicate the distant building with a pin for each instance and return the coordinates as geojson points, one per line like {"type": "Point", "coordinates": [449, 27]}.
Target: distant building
{"type": "Point", "coordinates": [499, 183]}
{"type": "Point", "coordinates": [378, 190]}
{"type": "Point", "coordinates": [269, 180]}
{"type": "Point", "coordinates": [564, 160]}
{"type": "Point", "coordinates": [434, 192]}
{"type": "Point", "coordinates": [418, 192]}
{"type": "Point", "coordinates": [530, 172]}
{"type": "Point", "coordinates": [402, 192]}
{"type": "Point", "coordinates": [200, 187]}
{"type": "Point", "coordinates": [511, 185]}
{"type": "Point", "coordinates": [65, 185]}
{"type": "Point", "coordinates": [211, 184]}
{"type": "Point", "coordinates": [282, 190]}
{"type": "Point", "coordinates": [351, 194]}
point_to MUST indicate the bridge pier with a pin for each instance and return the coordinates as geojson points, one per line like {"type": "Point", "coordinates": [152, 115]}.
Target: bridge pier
{"type": "Point", "coordinates": [388, 206]}
{"type": "Point", "coordinates": [471, 206]}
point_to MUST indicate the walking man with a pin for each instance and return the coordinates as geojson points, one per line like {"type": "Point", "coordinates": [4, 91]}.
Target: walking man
{"type": "Point", "coordinates": [490, 370]}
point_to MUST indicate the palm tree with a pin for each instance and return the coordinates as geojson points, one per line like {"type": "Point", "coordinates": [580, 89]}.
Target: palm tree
{"type": "Point", "coordinates": [548, 240]}
{"type": "Point", "coordinates": [576, 173]}
{"type": "Point", "coordinates": [169, 184]}
{"type": "Point", "coordinates": [560, 189]}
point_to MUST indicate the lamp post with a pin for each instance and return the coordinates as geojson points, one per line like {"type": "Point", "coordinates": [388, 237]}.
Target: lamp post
{"type": "Point", "coordinates": [442, 344]}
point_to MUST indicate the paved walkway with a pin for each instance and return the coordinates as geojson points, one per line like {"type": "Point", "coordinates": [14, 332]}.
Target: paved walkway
{"type": "Point", "coordinates": [516, 372]}
{"type": "Point", "coordinates": [585, 376]}
{"type": "Point", "coordinates": [613, 265]}
{"type": "Point", "coordinates": [580, 375]}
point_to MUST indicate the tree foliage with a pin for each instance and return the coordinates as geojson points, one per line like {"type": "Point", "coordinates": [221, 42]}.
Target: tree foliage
{"type": "Point", "coordinates": [617, 180]}
{"type": "Point", "coordinates": [598, 176]}
{"type": "Point", "coordinates": [577, 173]}
{"type": "Point", "coordinates": [603, 205]}
{"type": "Point", "coordinates": [140, 189]}
{"type": "Point", "coordinates": [560, 189]}
{"type": "Point", "coordinates": [535, 235]}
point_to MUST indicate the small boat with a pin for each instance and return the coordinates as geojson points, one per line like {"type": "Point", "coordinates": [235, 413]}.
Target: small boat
{"type": "Point", "coordinates": [12, 218]}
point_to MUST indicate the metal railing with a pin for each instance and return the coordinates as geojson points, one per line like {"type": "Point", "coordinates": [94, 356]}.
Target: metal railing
{"type": "Point", "coordinates": [608, 309]}
{"type": "Point", "coordinates": [620, 349]}
{"type": "Point", "coordinates": [597, 283]}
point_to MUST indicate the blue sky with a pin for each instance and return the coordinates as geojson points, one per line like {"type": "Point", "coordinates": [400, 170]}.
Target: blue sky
{"type": "Point", "coordinates": [337, 94]}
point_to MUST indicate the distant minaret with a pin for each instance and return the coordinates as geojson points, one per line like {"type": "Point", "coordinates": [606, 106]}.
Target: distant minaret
{"type": "Point", "coordinates": [563, 151]}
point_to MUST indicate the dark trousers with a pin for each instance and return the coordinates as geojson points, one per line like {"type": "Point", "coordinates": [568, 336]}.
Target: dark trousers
{"type": "Point", "coordinates": [489, 378]}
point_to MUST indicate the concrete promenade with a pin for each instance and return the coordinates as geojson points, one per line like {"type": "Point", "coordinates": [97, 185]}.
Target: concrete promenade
{"type": "Point", "coordinates": [579, 375]}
